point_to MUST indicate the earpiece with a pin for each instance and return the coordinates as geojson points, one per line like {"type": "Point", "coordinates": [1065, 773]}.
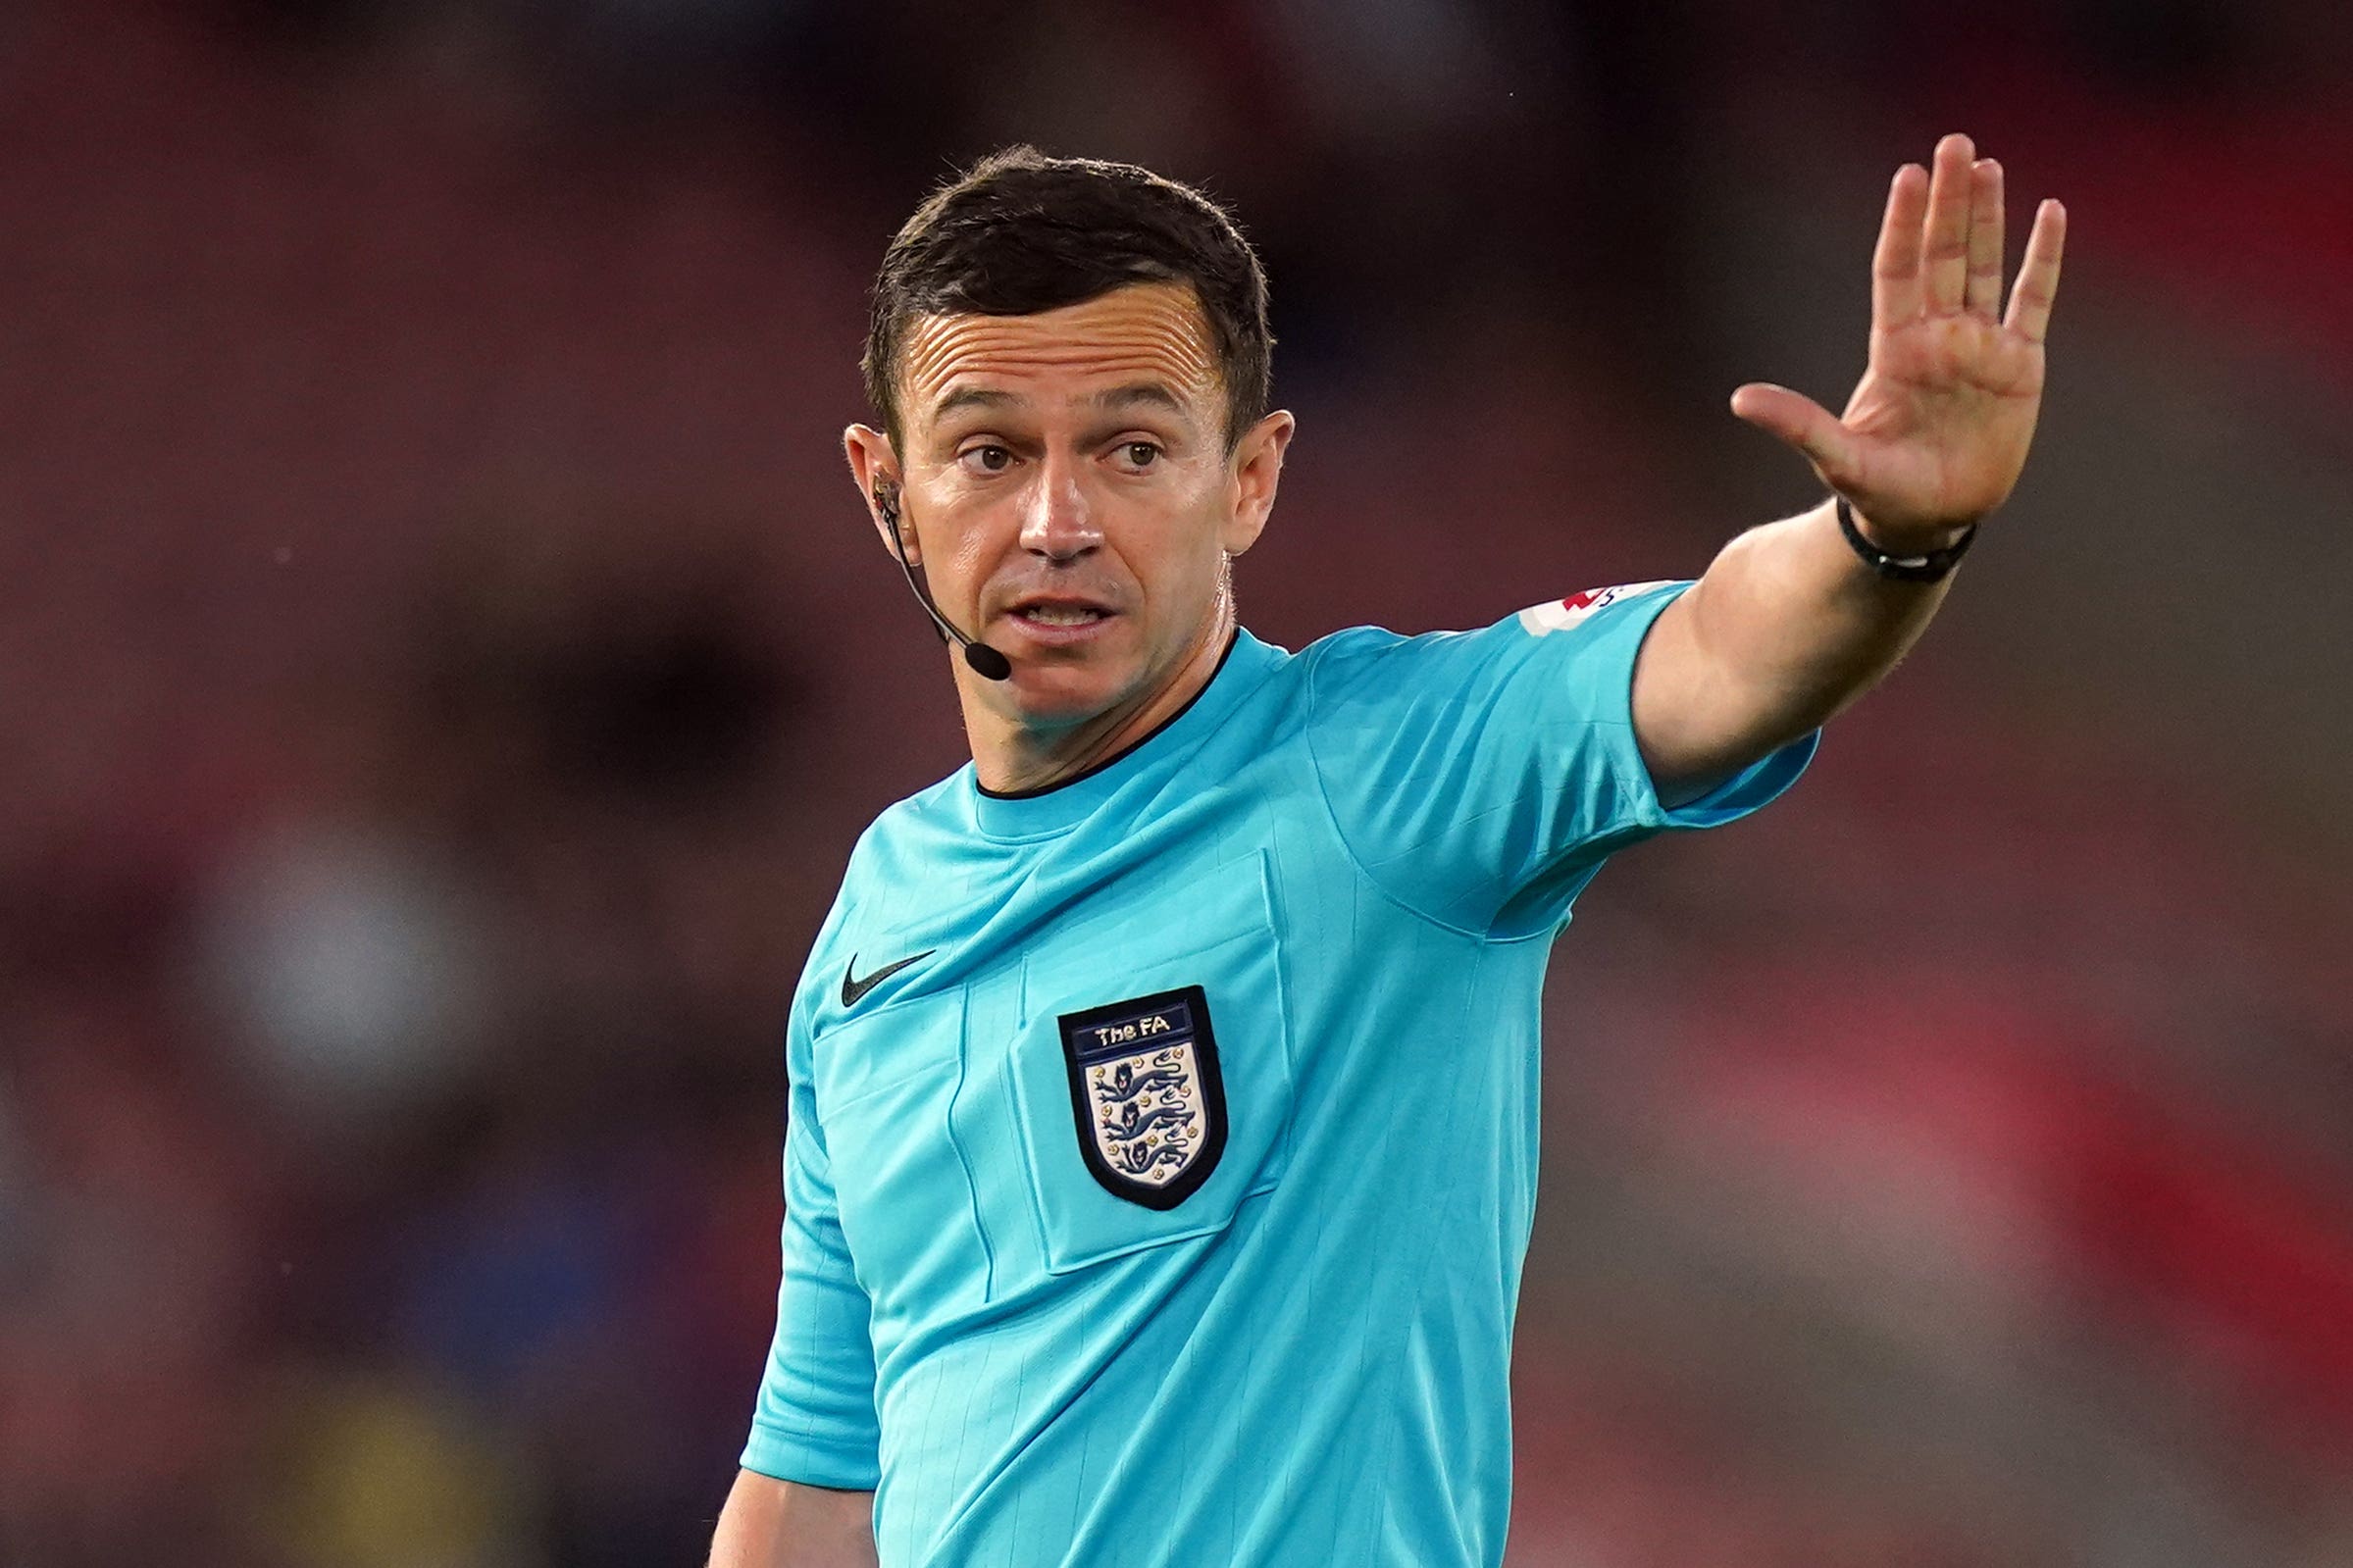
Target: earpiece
{"type": "Point", "coordinates": [886, 502]}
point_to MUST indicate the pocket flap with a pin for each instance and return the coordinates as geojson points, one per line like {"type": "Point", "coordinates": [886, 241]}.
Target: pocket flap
{"type": "Point", "coordinates": [1153, 1071]}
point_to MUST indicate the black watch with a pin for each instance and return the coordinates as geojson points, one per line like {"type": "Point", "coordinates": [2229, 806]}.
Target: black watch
{"type": "Point", "coordinates": [1930, 567]}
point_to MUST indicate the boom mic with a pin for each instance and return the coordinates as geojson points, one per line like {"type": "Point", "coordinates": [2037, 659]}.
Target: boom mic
{"type": "Point", "coordinates": [984, 660]}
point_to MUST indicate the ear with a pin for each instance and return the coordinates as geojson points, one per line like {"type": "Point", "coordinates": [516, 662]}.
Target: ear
{"type": "Point", "coordinates": [875, 467]}
{"type": "Point", "coordinates": [1257, 469]}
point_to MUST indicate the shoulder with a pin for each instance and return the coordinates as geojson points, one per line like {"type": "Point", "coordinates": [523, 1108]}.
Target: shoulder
{"type": "Point", "coordinates": [884, 861]}
{"type": "Point", "coordinates": [1348, 656]}
{"type": "Point", "coordinates": [911, 827]}
{"type": "Point", "coordinates": [1374, 665]}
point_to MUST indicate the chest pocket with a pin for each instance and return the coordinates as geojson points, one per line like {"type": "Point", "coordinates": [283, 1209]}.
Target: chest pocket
{"type": "Point", "coordinates": [1153, 1071]}
{"type": "Point", "coordinates": [887, 1085]}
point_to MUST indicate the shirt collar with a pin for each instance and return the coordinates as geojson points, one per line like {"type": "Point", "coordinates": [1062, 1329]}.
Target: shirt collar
{"type": "Point", "coordinates": [1059, 807]}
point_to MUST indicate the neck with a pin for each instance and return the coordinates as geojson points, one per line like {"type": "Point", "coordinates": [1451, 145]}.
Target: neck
{"type": "Point", "coordinates": [1011, 758]}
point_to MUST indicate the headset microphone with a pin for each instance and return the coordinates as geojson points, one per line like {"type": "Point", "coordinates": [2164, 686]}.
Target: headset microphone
{"type": "Point", "coordinates": [985, 661]}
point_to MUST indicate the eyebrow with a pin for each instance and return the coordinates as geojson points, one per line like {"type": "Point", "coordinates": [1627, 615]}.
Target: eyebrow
{"type": "Point", "coordinates": [1146, 393]}
{"type": "Point", "coordinates": [972, 397]}
{"type": "Point", "coordinates": [1149, 394]}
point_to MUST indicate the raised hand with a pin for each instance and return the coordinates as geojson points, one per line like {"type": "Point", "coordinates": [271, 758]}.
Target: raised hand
{"type": "Point", "coordinates": [1938, 428]}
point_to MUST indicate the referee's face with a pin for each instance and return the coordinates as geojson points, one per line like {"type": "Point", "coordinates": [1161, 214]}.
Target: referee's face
{"type": "Point", "coordinates": [1066, 485]}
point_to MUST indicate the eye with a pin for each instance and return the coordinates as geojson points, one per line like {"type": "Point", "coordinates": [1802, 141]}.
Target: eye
{"type": "Point", "coordinates": [1140, 454]}
{"type": "Point", "coordinates": [986, 459]}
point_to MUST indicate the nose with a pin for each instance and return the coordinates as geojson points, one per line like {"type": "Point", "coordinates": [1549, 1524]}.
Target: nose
{"type": "Point", "coordinates": [1059, 523]}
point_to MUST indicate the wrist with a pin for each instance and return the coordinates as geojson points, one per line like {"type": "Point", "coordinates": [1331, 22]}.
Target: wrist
{"type": "Point", "coordinates": [1925, 557]}
{"type": "Point", "coordinates": [1909, 541]}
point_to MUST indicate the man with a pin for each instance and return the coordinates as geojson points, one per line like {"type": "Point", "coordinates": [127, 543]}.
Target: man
{"type": "Point", "coordinates": [1163, 1086]}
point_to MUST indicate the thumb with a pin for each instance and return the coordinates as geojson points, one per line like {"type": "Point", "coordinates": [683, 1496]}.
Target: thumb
{"type": "Point", "coordinates": [1799, 421]}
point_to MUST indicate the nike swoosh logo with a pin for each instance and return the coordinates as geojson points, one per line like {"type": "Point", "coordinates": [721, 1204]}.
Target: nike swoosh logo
{"type": "Point", "coordinates": [853, 989]}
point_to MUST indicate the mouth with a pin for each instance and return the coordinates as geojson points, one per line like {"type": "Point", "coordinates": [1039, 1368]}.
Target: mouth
{"type": "Point", "coordinates": [1058, 615]}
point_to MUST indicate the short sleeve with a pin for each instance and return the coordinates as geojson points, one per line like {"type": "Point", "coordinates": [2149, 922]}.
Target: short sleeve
{"type": "Point", "coordinates": [1480, 777]}
{"type": "Point", "coordinates": [815, 1420]}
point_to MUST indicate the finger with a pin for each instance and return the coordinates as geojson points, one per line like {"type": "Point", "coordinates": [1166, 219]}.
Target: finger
{"type": "Point", "coordinates": [1945, 242]}
{"type": "Point", "coordinates": [1896, 264]}
{"type": "Point", "coordinates": [1984, 296]}
{"type": "Point", "coordinates": [1798, 419]}
{"type": "Point", "coordinates": [2037, 285]}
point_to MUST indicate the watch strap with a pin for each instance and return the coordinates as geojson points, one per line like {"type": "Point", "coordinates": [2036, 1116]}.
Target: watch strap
{"type": "Point", "coordinates": [1932, 566]}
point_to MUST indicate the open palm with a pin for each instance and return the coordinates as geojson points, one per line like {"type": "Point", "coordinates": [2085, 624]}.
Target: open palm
{"type": "Point", "coordinates": [1938, 428]}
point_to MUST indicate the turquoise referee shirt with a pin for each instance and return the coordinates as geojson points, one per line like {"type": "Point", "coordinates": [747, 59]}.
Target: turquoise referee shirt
{"type": "Point", "coordinates": [1162, 1146]}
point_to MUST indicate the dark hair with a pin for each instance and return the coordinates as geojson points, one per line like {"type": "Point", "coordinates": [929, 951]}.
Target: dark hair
{"type": "Point", "coordinates": [1020, 232]}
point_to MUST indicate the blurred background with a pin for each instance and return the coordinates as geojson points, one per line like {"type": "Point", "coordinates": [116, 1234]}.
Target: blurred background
{"type": "Point", "coordinates": [443, 667]}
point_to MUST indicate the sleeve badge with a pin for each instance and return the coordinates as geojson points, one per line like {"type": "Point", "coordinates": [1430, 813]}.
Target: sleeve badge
{"type": "Point", "coordinates": [1558, 615]}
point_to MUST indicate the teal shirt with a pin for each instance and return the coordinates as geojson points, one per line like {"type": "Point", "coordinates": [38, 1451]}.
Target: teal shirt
{"type": "Point", "coordinates": [1162, 1150]}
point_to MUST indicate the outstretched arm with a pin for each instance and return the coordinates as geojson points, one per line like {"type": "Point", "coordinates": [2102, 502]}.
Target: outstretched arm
{"type": "Point", "coordinates": [1789, 624]}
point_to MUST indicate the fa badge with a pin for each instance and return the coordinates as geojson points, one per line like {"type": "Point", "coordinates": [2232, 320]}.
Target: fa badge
{"type": "Point", "coordinates": [1144, 1087]}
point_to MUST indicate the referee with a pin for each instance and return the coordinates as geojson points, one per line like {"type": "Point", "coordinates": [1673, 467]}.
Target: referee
{"type": "Point", "coordinates": [1163, 1085]}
